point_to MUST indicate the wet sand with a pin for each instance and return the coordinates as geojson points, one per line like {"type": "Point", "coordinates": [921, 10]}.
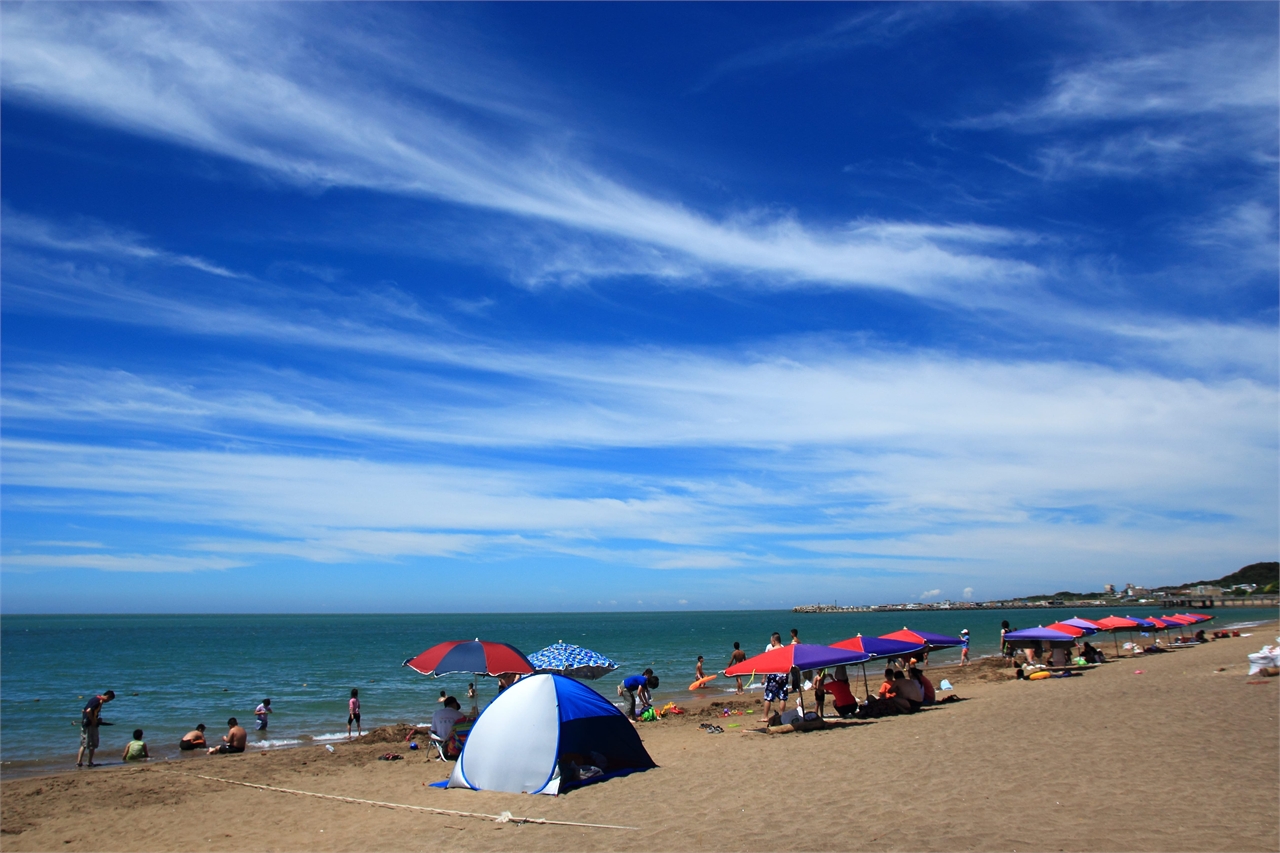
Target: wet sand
{"type": "Point", "coordinates": [1185, 756]}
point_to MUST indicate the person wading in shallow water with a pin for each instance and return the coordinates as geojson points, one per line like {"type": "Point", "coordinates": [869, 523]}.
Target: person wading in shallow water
{"type": "Point", "coordinates": [90, 719]}
{"type": "Point", "coordinates": [738, 656]}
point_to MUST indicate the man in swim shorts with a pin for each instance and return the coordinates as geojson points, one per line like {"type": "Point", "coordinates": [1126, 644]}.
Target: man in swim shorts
{"type": "Point", "coordinates": [233, 741]}
{"type": "Point", "coordinates": [738, 656]}
{"type": "Point", "coordinates": [193, 739]}
{"type": "Point", "coordinates": [90, 719]}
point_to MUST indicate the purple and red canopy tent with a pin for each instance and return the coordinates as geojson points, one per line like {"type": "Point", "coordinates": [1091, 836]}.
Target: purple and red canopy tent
{"type": "Point", "coordinates": [878, 648]}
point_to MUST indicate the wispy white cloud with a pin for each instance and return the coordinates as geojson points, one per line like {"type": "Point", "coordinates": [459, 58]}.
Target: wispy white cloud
{"type": "Point", "coordinates": [873, 28]}
{"type": "Point", "coordinates": [150, 563]}
{"type": "Point", "coordinates": [1151, 111]}
{"type": "Point", "coordinates": [853, 466]}
{"type": "Point", "coordinates": [93, 238]}
{"type": "Point", "coordinates": [1215, 75]}
{"type": "Point", "coordinates": [264, 88]}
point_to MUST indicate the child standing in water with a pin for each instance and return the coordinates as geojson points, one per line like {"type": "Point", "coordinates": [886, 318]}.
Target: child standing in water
{"type": "Point", "coordinates": [261, 713]}
{"type": "Point", "coordinates": [353, 712]}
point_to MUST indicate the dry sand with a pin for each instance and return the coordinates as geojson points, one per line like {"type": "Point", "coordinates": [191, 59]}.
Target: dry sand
{"type": "Point", "coordinates": [1185, 756]}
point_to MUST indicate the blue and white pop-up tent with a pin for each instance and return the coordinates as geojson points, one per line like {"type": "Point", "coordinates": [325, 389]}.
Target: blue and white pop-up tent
{"type": "Point", "coordinates": [519, 741]}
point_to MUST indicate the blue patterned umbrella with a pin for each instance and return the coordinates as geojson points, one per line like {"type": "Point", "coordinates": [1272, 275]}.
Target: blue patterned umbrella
{"type": "Point", "coordinates": [574, 661]}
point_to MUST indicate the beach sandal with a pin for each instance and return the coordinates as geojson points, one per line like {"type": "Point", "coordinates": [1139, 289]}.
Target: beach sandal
{"type": "Point", "coordinates": [390, 756]}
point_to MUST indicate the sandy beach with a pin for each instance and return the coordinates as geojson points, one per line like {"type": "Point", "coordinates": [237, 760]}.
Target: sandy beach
{"type": "Point", "coordinates": [1184, 756]}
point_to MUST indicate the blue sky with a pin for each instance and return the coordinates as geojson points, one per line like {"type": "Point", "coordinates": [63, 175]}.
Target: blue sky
{"type": "Point", "coordinates": [609, 306]}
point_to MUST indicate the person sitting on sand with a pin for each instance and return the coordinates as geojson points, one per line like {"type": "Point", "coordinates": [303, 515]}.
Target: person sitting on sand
{"type": "Point", "coordinates": [927, 692]}
{"type": "Point", "coordinates": [193, 739]}
{"type": "Point", "coordinates": [444, 719]}
{"type": "Point", "coordinates": [737, 657]}
{"type": "Point", "coordinates": [1091, 654]}
{"type": "Point", "coordinates": [887, 687]}
{"type": "Point", "coordinates": [136, 750]}
{"type": "Point", "coordinates": [1200, 636]}
{"type": "Point", "coordinates": [906, 691]}
{"type": "Point", "coordinates": [842, 698]}
{"type": "Point", "coordinates": [233, 741]}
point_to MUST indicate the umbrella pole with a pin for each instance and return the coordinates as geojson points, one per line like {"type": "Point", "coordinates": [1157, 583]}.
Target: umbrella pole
{"type": "Point", "coordinates": [866, 687]}
{"type": "Point", "coordinates": [1117, 642]}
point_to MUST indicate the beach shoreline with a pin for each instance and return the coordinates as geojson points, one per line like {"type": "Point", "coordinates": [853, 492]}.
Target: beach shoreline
{"type": "Point", "coordinates": [1016, 765]}
{"type": "Point", "coordinates": [696, 700]}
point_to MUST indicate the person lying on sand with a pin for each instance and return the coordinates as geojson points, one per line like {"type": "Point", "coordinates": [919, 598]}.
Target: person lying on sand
{"type": "Point", "coordinates": [193, 739]}
{"type": "Point", "coordinates": [233, 741]}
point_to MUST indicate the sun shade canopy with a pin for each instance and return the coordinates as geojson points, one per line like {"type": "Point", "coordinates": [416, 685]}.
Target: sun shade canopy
{"type": "Point", "coordinates": [1041, 633]}
{"type": "Point", "coordinates": [924, 638]}
{"type": "Point", "coordinates": [801, 655]}
{"type": "Point", "coordinates": [573, 661]}
{"type": "Point", "coordinates": [879, 647]}
{"type": "Point", "coordinates": [478, 657]}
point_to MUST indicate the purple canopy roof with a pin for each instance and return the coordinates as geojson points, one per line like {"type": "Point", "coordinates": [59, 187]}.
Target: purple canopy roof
{"type": "Point", "coordinates": [1038, 634]}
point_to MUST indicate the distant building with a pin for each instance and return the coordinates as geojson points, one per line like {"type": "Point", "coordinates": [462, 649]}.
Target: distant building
{"type": "Point", "coordinates": [1109, 588]}
{"type": "Point", "coordinates": [1206, 589]}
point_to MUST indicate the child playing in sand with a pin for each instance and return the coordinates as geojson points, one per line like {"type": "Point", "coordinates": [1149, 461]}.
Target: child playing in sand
{"type": "Point", "coordinates": [137, 748]}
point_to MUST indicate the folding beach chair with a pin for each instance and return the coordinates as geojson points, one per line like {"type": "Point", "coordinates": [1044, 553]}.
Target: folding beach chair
{"type": "Point", "coordinates": [435, 741]}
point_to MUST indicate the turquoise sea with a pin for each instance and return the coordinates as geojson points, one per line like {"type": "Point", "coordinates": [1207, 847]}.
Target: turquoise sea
{"type": "Point", "coordinates": [171, 672]}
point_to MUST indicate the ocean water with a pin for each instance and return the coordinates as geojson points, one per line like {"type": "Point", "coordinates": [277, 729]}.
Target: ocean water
{"type": "Point", "coordinates": [171, 672]}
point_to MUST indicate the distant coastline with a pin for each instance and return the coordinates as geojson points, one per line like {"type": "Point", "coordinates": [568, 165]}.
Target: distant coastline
{"type": "Point", "coordinates": [1254, 585]}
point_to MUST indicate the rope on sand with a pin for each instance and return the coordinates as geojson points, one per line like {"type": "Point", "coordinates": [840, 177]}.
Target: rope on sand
{"type": "Point", "coordinates": [505, 817]}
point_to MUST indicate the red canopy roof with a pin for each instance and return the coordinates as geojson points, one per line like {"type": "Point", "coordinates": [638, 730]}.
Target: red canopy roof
{"type": "Point", "coordinates": [1118, 623]}
{"type": "Point", "coordinates": [803, 655]}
